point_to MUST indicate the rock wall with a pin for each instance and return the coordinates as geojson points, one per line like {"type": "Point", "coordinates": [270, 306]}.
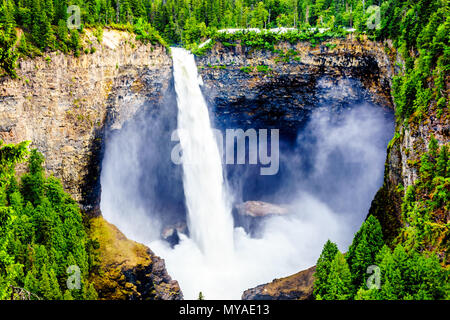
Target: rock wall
{"type": "Point", "coordinates": [299, 286]}
{"type": "Point", "coordinates": [64, 104]}
{"type": "Point", "coordinates": [129, 270]}
{"type": "Point", "coordinates": [288, 82]}
{"type": "Point", "coordinates": [243, 83]}
{"type": "Point", "coordinates": [401, 170]}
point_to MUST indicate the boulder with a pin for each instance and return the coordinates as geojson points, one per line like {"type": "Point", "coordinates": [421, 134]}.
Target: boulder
{"type": "Point", "coordinates": [260, 209]}
{"type": "Point", "coordinates": [296, 287]}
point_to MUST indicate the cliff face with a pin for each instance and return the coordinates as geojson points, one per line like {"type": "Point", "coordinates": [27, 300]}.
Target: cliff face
{"type": "Point", "coordinates": [401, 171]}
{"type": "Point", "coordinates": [269, 87]}
{"type": "Point", "coordinates": [246, 86]}
{"type": "Point", "coordinates": [65, 106]}
{"type": "Point", "coordinates": [299, 286]}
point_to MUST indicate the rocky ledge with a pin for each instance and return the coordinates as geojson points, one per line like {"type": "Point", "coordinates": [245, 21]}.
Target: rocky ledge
{"type": "Point", "coordinates": [129, 270]}
{"type": "Point", "coordinates": [296, 287]}
{"type": "Point", "coordinates": [260, 209]}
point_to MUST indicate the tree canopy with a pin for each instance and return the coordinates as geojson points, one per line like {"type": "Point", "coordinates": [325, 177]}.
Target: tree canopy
{"type": "Point", "coordinates": [41, 231]}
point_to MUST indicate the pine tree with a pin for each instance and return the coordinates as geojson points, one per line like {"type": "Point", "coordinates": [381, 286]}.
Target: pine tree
{"type": "Point", "coordinates": [8, 57]}
{"type": "Point", "coordinates": [323, 267]}
{"type": "Point", "coordinates": [35, 244]}
{"type": "Point", "coordinates": [67, 295]}
{"type": "Point", "coordinates": [31, 283]}
{"type": "Point", "coordinates": [339, 282]}
{"type": "Point", "coordinates": [49, 10]}
{"type": "Point", "coordinates": [412, 275]}
{"type": "Point", "coordinates": [55, 290]}
{"type": "Point", "coordinates": [91, 293]}
{"type": "Point", "coordinates": [8, 20]}
{"type": "Point", "coordinates": [32, 182]}
{"type": "Point", "coordinates": [62, 30]}
{"type": "Point", "coordinates": [45, 287]}
{"type": "Point", "coordinates": [362, 252]}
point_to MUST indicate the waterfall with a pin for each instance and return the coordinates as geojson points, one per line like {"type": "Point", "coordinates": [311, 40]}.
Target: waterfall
{"type": "Point", "coordinates": [209, 212]}
{"type": "Point", "coordinates": [217, 259]}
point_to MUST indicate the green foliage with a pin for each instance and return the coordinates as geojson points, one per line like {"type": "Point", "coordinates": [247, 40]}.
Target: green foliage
{"type": "Point", "coordinates": [426, 202]}
{"type": "Point", "coordinates": [8, 56]}
{"type": "Point", "coordinates": [338, 285]}
{"type": "Point", "coordinates": [247, 69]}
{"type": "Point", "coordinates": [408, 275]}
{"type": "Point", "coordinates": [323, 268]}
{"type": "Point", "coordinates": [263, 69]}
{"type": "Point", "coordinates": [363, 250]}
{"type": "Point", "coordinates": [412, 26]}
{"type": "Point", "coordinates": [41, 230]}
{"type": "Point", "coordinates": [146, 33]}
{"type": "Point", "coordinates": [403, 273]}
{"type": "Point", "coordinates": [421, 34]}
{"type": "Point", "coordinates": [265, 39]}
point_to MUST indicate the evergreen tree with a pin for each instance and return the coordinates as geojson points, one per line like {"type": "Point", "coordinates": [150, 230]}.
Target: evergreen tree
{"type": "Point", "coordinates": [41, 230]}
{"type": "Point", "coordinates": [323, 268]}
{"type": "Point", "coordinates": [67, 295]}
{"type": "Point", "coordinates": [362, 252]}
{"type": "Point", "coordinates": [339, 282]}
{"type": "Point", "coordinates": [412, 276]}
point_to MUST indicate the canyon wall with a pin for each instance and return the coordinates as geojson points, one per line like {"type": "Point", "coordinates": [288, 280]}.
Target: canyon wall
{"type": "Point", "coordinates": [65, 104]}
{"type": "Point", "coordinates": [401, 171]}
{"type": "Point", "coordinates": [280, 87]}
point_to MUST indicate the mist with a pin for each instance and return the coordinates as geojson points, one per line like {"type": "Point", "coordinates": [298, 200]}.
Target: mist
{"type": "Point", "coordinates": [328, 176]}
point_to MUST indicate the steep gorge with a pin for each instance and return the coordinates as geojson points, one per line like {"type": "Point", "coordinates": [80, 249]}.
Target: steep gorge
{"type": "Point", "coordinates": [66, 106]}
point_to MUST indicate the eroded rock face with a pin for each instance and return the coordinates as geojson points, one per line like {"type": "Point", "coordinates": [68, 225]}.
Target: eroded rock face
{"type": "Point", "coordinates": [404, 151]}
{"type": "Point", "coordinates": [401, 171]}
{"type": "Point", "coordinates": [65, 104]}
{"type": "Point", "coordinates": [296, 287]}
{"type": "Point", "coordinates": [129, 270]}
{"type": "Point", "coordinates": [260, 209]}
{"type": "Point", "coordinates": [248, 87]}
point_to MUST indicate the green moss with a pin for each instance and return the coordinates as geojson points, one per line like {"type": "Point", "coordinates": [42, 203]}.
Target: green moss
{"type": "Point", "coordinates": [117, 254]}
{"type": "Point", "coordinates": [247, 69]}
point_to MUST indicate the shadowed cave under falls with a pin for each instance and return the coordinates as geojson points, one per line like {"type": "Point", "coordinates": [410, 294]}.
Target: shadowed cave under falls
{"type": "Point", "coordinates": [332, 151]}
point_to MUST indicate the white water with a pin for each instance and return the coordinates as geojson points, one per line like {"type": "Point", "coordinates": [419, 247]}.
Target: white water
{"type": "Point", "coordinates": [209, 212]}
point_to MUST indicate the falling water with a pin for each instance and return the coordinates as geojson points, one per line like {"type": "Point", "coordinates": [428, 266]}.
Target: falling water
{"type": "Point", "coordinates": [209, 212]}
